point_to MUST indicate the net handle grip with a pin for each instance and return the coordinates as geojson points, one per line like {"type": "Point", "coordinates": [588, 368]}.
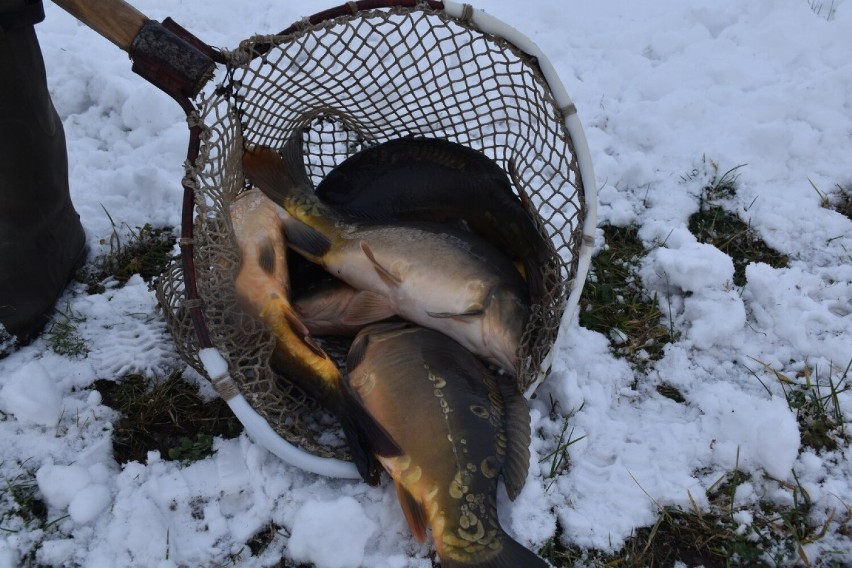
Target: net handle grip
{"type": "Point", "coordinates": [166, 55]}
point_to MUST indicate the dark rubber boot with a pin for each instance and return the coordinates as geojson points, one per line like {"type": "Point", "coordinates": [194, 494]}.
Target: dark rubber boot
{"type": "Point", "coordinates": [41, 239]}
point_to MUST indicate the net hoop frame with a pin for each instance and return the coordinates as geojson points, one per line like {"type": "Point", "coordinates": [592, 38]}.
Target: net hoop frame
{"type": "Point", "coordinates": [215, 365]}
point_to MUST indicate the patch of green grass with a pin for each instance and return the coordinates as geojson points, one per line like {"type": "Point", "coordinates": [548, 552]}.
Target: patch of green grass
{"type": "Point", "coordinates": [843, 203]}
{"type": "Point", "coordinates": [613, 302]}
{"type": "Point", "coordinates": [22, 502]}
{"type": "Point", "coordinates": [840, 201]}
{"type": "Point", "coordinates": [714, 225]}
{"type": "Point", "coordinates": [670, 392]}
{"type": "Point", "coordinates": [147, 252]}
{"type": "Point", "coordinates": [168, 416]}
{"type": "Point", "coordinates": [558, 457]}
{"type": "Point", "coordinates": [814, 395]}
{"type": "Point", "coordinates": [22, 510]}
{"type": "Point", "coordinates": [192, 450]}
{"type": "Point", "coordinates": [62, 336]}
{"type": "Point", "coordinates": [730, 234]}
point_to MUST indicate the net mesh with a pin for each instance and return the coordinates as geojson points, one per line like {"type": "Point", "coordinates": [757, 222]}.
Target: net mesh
{"type": "Point", "coordinates": [345, 84]}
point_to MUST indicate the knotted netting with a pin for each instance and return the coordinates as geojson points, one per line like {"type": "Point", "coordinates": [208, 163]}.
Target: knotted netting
{"type": "Point", "coordinates": [346, 83]}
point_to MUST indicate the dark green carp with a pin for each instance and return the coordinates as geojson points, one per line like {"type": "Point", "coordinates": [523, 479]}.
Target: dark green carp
{"type": "Point", "coordinates": [431, 179]}
{"type": "Point", "coordinates": [434, 275]}
{"type": "Point", "coordinates": [460, 429]}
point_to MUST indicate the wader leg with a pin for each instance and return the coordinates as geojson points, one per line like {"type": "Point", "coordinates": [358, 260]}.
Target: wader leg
{"type": "Point", "coordinates": [41, 239]}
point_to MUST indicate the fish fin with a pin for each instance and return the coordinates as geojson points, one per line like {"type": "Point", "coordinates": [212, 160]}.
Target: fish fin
{"type": "Point", "coordinates": [366, 437]}
{"type": "Point", "coordinates": [413, 511]}
{"type": "Point", "coordinates": [357, 351]}
{"type": "Point", "coordinates": [511, 554]}
{"type": "Point", "coordinates": [305, 239]}
{"type": "Point", "coordinates": [367, 307]}
{"type": "Point", "coordinates": [517, 429]}
{"type": "Point", "coordinates": [302, 331]}
{"type": "Point", "coordinates": [265, 169]}
{"type": "Point", "coordinates": [473, 310]}
{"type": "Point", "coordinates": [293, 321]}
{"type": "Point", "coordinates": [534, 279]}
{"type": "Point", "coordinates": [293, 158]}
{"type": "Point", "coordinates": [385, 274]}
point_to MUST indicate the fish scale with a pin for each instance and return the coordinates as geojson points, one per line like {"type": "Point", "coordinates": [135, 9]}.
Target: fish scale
{"type": "Point", "coordinates": [431, 274]}
{"type": "Point", "coordinates": [418, 384]}
{"type": "Point", "coordinates": [262, 287]}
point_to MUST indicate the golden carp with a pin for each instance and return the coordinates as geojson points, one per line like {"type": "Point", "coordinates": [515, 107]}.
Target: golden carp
{"type": "Point", "coordinates": [262, 287]}
{"type": "Point", "coordinates": [459, 427]}
{"type": "Point", "coordinates": [432, 179]}
{"type": "Point", "coordinates": [435, 275]}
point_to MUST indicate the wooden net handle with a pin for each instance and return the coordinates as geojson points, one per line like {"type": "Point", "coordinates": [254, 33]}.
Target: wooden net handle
{"type": "Point", "coordinates": [115, 20]}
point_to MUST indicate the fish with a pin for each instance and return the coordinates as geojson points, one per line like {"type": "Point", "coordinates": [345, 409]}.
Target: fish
{"type": "Point", "coordinates": [432, 274]}
{"type": "Point", "coordinates": [461, 428]}
{"type": "Point", "coordinates": [261, 285]}
{"type": "Point", "coordinates": [432, 179]}
{"type": "Point", "coordinates": [332, 307]}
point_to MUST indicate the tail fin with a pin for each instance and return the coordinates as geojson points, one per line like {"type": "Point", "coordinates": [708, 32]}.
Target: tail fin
{"type": "Point", "coordinates": [511, 555]}
{"type": "Point", "coordinates": [278, 176]}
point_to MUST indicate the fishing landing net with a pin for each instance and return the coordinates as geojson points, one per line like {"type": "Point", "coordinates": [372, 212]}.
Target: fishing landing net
{"type": "Point", "coordinates": [346, 82]}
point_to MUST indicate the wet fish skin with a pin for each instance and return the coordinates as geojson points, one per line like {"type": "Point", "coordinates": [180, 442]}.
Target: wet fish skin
{"type": "Point", "coordinates": [459, 429]}
{"type": "Point", "coordinates": [431, 179]}
{"type": "Point", "coordinates": [432, 274]}
{"type": "Point", "coordinates": [262, 287]}
{"type": "Point", "coordinates": [332, 307]}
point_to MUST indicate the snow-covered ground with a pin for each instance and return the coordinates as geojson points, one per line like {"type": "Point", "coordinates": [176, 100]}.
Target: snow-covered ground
{"type": "Point", "coordinates": [662, 88]}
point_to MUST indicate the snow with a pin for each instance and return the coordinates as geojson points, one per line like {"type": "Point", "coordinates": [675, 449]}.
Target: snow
{"type": "Point", "coordinates": [331, 534]}
{"type": "Point", "coordinates": [664, 90]}
{"type": "Point", "coordinates": [32, 396]}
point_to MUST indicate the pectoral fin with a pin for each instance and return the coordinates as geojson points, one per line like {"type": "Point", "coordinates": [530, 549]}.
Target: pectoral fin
{"type": "Point", "coordinates": [367, 307]}
{"type": "Point", "coordinates": [293, 322]}
{"type": "Point", "coordinates": [413, 511]}
{"type": "Point", "coordinates": [386, 275]}
{"type": "Point", "coordinates": [473, 310]}
{"type": "Point", "coordinates": [366, 437]}
{"type": "Point", "coordinates": [356, 352]}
